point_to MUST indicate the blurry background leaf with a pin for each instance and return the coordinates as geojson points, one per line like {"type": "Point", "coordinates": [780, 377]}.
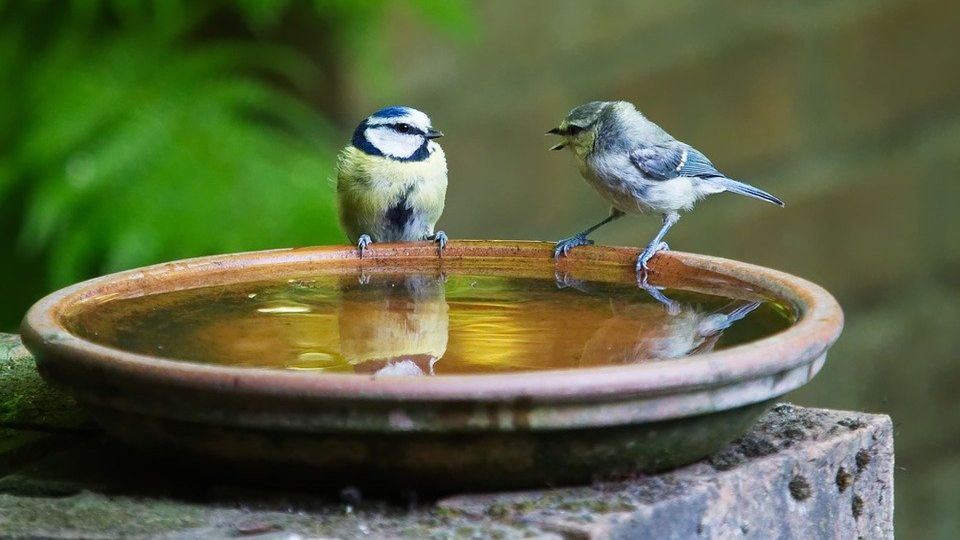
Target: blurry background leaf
{"type": "Point", "coordinates": [168, 151]}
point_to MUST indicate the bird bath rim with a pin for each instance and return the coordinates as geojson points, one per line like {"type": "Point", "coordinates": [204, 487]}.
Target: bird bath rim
{"type": "Point", "coordinates": [583, 397]}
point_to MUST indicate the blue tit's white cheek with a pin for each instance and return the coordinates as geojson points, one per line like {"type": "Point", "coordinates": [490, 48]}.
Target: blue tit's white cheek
{"type": "Point", "coordinates": [392, 143]}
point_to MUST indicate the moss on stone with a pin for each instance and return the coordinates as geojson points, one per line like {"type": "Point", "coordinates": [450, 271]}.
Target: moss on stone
{"type": "Point", "coordinates": [89, 514]}
{"type": "Point", "coordinates": [25, 399]}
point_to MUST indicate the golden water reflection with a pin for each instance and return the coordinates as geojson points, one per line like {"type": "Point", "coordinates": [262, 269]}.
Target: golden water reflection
{"type": "Point", "coordinates": [428, 324]}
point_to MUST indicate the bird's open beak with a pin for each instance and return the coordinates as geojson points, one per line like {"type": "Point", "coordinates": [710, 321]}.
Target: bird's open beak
{"type": "Point", "coordinates": [433, 134]}
{"type": "Point", "coordinates": [557, 131]}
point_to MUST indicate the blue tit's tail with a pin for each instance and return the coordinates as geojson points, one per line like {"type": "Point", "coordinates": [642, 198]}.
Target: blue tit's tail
{"type": "Point", "coordinates": [740, 188]}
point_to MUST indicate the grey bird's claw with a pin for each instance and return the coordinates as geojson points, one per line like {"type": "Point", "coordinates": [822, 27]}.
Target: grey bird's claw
{"type": "Point", "coordinates": [648, 254]}
{"type": "Point", "coordinates": [362, 243]}
{"type": "Point", "coordinates": [440, 238]}
{"type": "Point", "coordinates": [564, 246]}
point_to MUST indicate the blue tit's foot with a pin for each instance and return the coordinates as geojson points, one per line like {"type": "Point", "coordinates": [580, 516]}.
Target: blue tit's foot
{"type": "Point", "coordinates": [363, 242]}
{"type": "Point", "coordinates": [648, 253]}
{"type": "Point", "coordinates": [564, 246]}
{"type": "Point", "coordinates": [565, 280]}
{"type": "Point", "coordinates": [440, 238]}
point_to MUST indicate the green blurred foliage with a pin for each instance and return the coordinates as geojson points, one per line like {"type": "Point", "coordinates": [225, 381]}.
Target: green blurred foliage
{"type": "Point", "coordinates": [136, 132]}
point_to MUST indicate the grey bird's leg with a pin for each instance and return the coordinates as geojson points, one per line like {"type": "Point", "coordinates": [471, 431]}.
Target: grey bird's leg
{"type": "Point", "coordinates": [564, 246]}
{"type": "Point", "coordinates": [657, 244]}
{"type": "Point", "coordinates": [673, 307]}
{"type": "Point", "coordinates": [440, 238]}
{"type": "Point", "coordinates": [363, 242]}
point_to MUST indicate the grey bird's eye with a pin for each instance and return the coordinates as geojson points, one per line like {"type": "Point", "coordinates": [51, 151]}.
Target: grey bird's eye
{"type": "Point", "coordinates": [403, 128]}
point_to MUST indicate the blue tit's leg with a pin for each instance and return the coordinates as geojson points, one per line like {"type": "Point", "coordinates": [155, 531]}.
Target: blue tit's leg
{"type": "Point", "coordinates": [564, 280]}
{"type": "Point", "coordinates": [564, 246]}
{"type": "Point", "coordinates": [363, 242]}
{"type": "Point", "coordinates": [657, 244]}
{"type": "Point", "coordinates": [440, 238]}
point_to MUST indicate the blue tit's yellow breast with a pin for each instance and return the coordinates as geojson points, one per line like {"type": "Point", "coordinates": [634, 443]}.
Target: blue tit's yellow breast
{"type": "Point", "coordinates": [368, 186]}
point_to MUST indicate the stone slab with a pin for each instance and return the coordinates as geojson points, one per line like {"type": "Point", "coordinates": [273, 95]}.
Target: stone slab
{"type": "Point", "coordinates": [799, 473]}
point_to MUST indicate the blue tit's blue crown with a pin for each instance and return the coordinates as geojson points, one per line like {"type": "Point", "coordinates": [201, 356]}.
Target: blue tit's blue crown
{"type": "Point", "coordinates": [394, 111]}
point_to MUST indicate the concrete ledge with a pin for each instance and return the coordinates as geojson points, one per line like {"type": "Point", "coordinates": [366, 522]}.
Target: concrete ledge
{"type": "Point", "coordinates": [799, 473]}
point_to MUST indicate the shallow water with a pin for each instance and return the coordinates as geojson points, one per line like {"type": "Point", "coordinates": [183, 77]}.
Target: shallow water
{"type": "Point", "coordinates": [403, 324]}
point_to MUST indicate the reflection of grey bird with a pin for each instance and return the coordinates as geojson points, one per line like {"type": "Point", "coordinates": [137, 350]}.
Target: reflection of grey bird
{"type": "Point", "coordinates": [638, 167]}
{"type": "Point", "coordinates": [646, 331]}
{"type": "Point", "coordinates": [396, 325]}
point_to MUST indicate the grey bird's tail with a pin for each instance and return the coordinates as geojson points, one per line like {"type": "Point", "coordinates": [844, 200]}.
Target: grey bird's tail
{"type": "Point", "coordinates": [741, 312]}
{"type": "Point", "coordinates": [740, 188]}
{"type": "Point", "coordinates": [719, 321]}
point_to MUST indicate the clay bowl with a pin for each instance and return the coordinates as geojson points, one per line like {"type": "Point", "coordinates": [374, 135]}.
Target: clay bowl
{"type": "Point", "coordinates": [440, 433]}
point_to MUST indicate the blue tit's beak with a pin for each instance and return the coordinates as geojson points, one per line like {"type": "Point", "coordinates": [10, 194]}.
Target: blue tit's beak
{"type": "Point", "coordinates": [555, 131]}
{"type": "Point", "coordinates": [433, 134]}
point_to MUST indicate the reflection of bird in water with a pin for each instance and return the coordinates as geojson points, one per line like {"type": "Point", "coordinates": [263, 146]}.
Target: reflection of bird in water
{"type": "Point", "coordinates": [647, 331]}
{"type": "Point", "coordinates": [394, 325]}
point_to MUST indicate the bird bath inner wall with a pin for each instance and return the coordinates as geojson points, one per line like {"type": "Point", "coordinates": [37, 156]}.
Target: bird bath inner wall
{"type": "Point", "coordinates": [492, 367]}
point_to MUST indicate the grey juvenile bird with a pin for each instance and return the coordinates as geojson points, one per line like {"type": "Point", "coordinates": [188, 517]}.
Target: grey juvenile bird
{"type": "Point", "coordinates": [638, 168]}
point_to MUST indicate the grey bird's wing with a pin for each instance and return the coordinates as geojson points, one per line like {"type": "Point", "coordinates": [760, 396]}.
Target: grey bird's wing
{"type": "Point", "coordinates": [672, 159]}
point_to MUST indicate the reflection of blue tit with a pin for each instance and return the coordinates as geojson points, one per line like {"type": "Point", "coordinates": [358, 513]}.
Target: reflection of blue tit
{"type": "Point", "coordinates": [394, 326]}
{"type": "Point", "coordinates": [392, 179]}
{"type": "Point", "coordinates": [638, 167]}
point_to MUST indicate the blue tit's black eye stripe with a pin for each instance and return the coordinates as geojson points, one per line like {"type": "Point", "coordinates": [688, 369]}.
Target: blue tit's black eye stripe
{"type": "Point", "coordinates": [573, 130]}
{"type": "Point", "coordinates": [403, 127]}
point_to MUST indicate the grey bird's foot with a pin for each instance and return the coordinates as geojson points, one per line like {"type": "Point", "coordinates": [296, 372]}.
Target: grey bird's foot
{"type": "Point", "coordinates": [440, 238]}
{"type": "Point", "coordinates": [564, 246]}
{"type": "Point", "coordinates": [363, 242]}
{"type": "Point", "coordinates": [648, 253]}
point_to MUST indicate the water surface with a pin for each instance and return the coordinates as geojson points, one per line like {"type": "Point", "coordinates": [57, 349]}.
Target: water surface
{"type": "Point", "coordinates": [417, 324]}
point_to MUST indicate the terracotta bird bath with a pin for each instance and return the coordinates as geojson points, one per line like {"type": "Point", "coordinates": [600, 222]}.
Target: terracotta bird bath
{"type": "Point", "coordinates": [401, 403]}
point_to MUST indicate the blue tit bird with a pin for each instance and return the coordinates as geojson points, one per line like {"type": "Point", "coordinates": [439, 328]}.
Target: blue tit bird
{"type": "Point", "coordinates": [638, 168]}
{"type": "Point", "coordinates": [392, 180]}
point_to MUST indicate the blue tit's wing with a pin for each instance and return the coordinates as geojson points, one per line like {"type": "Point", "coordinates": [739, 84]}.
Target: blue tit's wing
{"type": "Point", "coordinates": [671, 160]}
